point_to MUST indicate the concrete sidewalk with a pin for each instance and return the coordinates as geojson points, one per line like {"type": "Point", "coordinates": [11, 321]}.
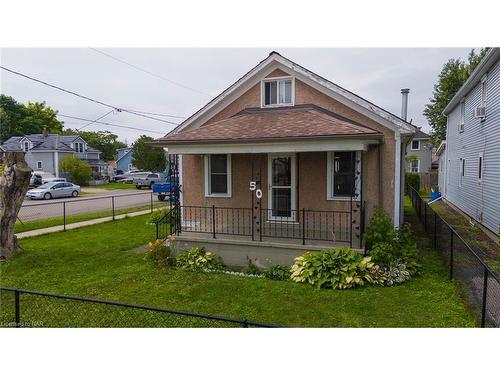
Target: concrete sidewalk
{"type": "Point", "coordinates": [60, 228]}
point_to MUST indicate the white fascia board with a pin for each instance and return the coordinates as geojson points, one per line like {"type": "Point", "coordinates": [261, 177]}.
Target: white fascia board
{"type": "Point", "coordinates": [258, 148]}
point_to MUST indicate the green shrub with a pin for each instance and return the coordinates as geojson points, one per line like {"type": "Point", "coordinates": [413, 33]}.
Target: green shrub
{"type": "Point", "coordinates": [384, 253]}
{"type": "Point", "coordinates": [79, 171]}
{"type": "Point", "coordinates": [159, 253]}
{"type": "Point", "coordinates": [197, 259]}
{"type": "Point", "coordinates": [379, 229]}
{"type": "Point", "coordinates": [332, 268]}
{"type": "Point", "coordinates": [277, 272]}
{"type": "Point", "coordinates": [158, 215]}
{"type": "Point", "coordinates": [413, 179]}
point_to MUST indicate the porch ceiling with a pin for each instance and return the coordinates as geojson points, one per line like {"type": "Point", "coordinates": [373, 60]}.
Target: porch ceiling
{"type": "Point", "coordinates": [256, 130]}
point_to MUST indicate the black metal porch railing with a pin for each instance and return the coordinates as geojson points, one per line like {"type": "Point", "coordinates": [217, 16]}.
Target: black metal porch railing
{"type": "Point", "coordinates": [479, 285]}
{"type": "Point", "coordinates": [258, 224]}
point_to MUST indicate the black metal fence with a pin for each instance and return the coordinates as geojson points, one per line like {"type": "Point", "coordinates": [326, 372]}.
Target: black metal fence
{"type": "Point", "coordinates": [26, 308]}
{"type": "Point", "coordinates": [41, 214]}
{"type": "Point", "coordinates": [257, 224]}
{"type": "Point", "coordinates": [479, 285]}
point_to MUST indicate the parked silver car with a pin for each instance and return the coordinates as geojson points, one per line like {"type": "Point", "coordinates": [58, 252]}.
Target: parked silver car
{"type": "Point", "coordinates": [51, 190]}
{"type": "Point", "coordinates": [149, 179]}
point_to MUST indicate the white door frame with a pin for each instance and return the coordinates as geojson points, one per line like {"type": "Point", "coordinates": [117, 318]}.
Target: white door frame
{"type": "Point", "coordinates": [293, 186]}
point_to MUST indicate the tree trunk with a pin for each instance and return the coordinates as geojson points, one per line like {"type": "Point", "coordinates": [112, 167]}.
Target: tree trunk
{"type": "Point", "coordinates": [14, 183]}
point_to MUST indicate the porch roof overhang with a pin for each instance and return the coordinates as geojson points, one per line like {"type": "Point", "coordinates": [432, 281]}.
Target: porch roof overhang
{"type": "Point", "coordinates": [293, 129]}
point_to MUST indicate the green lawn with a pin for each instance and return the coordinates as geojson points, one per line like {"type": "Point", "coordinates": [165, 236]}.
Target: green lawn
{"type": "Point", "coordinates": [58, 220]}
{"type": "Point", "coordinates": [94, 262]}
{"type": "Point", "coordinates": [116, 186]}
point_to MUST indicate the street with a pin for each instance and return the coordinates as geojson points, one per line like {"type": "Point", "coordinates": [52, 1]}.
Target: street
{"type": "Point", "coordinates": [42, 209]}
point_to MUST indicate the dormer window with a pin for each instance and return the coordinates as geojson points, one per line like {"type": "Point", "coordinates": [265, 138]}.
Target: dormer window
{"type": "Point", "coordinates": [26, 146]}
{"type": "Point", "coordinates": [79, 146]}
{"type": "Point", "coordinates": [277, 92]}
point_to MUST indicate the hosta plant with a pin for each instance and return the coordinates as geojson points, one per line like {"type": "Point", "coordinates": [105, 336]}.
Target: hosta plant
{"type": "Point", "coordinates": [340, 268]}
{"type": "Point", "coordinates": [396, 273]}
{"type": "Point", "coordinates": [197, 259]}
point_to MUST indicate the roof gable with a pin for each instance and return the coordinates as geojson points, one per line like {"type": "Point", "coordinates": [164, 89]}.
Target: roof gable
{"type": "Point", "coordinates": [275, 61]}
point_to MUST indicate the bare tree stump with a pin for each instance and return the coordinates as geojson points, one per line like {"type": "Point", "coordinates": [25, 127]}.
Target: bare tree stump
{"type": "Point", "coordinates": [14, 183]}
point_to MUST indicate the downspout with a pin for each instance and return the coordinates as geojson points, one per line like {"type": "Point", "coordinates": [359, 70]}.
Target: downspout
{"type": "Point", "coordinates": [397, 180]}
{"type": "Point", "coordinates": [56, 163]}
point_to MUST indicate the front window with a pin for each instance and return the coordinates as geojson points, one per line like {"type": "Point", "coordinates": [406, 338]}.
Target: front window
{"type": "Point", "coordinates": [38, 165]}
{"type": "Point", "coordinates": [278, 92]}
{"type": "Point", "coordinates": [344, 174]}
{"type": "Point", "coordinates": [218, 175]}
{"type": "Point", "coordinates": [415, 166]}
{"type": "Point", "coordinates": [415, 145]}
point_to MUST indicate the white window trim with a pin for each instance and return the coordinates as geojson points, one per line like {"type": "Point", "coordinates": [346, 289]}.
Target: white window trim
{"type": "Point", "coordinates": [207, 179]}
{"type": "Point", "coordinates": [461, 175]}
{"type": "Point", "coordinates": [418, 166]}
{"type": "Point", "coordinates": [415, 149]}
{"type": "Point", "coordinates": [24, 144]}
{"type": "Point", "coordinates": [262, 92]}
{"type": "Point", "coordinates": [76, 148]}
{"type": "Point", "coordinates": [462, 117]}
{"type": "Point", "coordinates": [41, 164]}
{"type": "Point", "coordinates": [330, 182]}
{"type": "Point", "coordinates": [480, 158]}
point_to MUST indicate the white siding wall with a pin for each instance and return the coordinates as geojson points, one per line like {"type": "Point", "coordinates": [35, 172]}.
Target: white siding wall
{"type": "Point", "coordinates": [480, 200]}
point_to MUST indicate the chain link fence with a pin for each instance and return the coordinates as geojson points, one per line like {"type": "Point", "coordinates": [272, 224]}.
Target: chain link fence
{"type": "Point", "coordinates": [41, 214]}
{"type": "Point", "coordinates": [25, 308]}
{"type": "Point", "coordinates": [478, 284]}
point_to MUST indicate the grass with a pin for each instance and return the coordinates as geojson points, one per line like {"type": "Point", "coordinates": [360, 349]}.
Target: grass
{"type": "Point", "coordinates": [95, 262]}
{"type": "Point", "coordinates": [58, 220]}
{"type": "Point", "coordinates": [115, 186]}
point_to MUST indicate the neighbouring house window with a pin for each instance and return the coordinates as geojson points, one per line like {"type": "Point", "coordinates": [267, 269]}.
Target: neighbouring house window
{"type": "Point", "coordinates": [26, 146]}
{"type": "Point", "coordinates": [415, 166]}
{"type": "Point", "coordinates": [78, 146]}
{"type": "Point", "coordinates": [218, 175]}
{"type": "Point", "coordinates": [415, 145]}
{"type": "Point", "coordinates": [483, 92]}
{"type": "Point", "coordinates": [278, 92]}
{"type": "Point", "coordinates": [462, 172]}
{"type": "Point", "coordinates": [480, 167]}
{"type": "Point", "coordinates": [462, 116]}
{"type": "Point", "coordinates": [344, 174]}
{"type": "Point", "coordinates": [39, 165]}
{"type": "Point", "coordinates": [130, 167]}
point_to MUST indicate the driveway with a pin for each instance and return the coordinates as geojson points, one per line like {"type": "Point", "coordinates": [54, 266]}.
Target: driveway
{"type": "Point", "coordinates": [42, 209]}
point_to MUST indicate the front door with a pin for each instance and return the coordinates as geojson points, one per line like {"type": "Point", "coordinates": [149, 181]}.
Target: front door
{"type": "Point", "coordinates": [281, 187]}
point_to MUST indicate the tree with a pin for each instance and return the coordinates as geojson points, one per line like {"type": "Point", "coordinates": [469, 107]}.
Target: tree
{"type": "Point", "coordinates": [14, 180]}
{"type": "Point", "coordinates": [19, 119]}
{"type": "Point", "coordinates": [78, 169]}
{"type": "Point", "coordinates": [147, 157]}
{"type": "Point", "coordinates": [453, 75]}
{"type": "Point", "coordinates": [102, 140]}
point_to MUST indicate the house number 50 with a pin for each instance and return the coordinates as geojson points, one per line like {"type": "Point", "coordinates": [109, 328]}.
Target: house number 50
{"type": "Point", "coordinates": [253, 187]}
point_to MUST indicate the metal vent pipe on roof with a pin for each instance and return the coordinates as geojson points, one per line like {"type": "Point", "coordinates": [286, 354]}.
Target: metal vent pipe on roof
{"type": "Point", "coordinates": [404, 104]}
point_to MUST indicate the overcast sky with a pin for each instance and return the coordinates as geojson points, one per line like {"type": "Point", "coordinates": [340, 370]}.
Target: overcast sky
{"type": "Point", "coordinates": [200, 74]}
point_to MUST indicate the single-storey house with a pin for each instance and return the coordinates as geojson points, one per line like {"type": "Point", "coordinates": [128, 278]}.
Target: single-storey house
{"type": "Point", "coordinates": [469, 168]}
{"type": "Point", "coordinates": [285, 156]}
{"type": "Point", "coordinates": [43, 152]}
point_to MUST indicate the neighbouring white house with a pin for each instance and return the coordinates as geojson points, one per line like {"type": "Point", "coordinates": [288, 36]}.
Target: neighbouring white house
{"type": "Point", "coordinates": [469, 160]}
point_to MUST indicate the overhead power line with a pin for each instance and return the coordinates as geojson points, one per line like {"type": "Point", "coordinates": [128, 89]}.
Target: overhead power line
{"type": "Point", "coordinates": [118, 109]}
{"type": "Point", "coordinates": [107, 123]}
{"type": "Point", "coordinates": [159, 114]}
{"type": "Point", "coordinates": [148, 72]}
{"type": "Point", "coordinates": [94, 121]}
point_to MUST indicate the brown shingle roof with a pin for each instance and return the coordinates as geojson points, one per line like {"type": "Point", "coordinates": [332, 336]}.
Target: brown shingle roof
{"type": "Point", "coordinates": [256, 124]}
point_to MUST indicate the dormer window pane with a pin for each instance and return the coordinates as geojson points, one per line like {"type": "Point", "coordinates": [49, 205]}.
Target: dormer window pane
{"type": "Point", "coordinates": [278, 92]}
{"type": "Point", "coordinates": [271, 92]}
